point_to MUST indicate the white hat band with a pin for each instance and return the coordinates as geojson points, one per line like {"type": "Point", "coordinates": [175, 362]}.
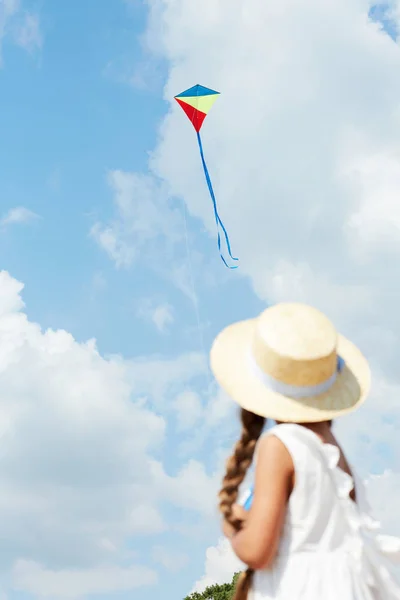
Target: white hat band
{"type": "Point", "coordinates": [296, 391]}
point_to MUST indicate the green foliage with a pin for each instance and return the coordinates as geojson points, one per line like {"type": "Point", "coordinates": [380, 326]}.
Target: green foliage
{"type": "Point", "coordinates": [224, 591]}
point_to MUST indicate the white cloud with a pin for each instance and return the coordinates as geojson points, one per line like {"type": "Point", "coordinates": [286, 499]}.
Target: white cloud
{"type": "Point", "coordinates": [21, 27]}
{"type": "Point", "coordinates": [191, 489]}
{"type": "Point", "coordinates": [161, 315]}
{"type": "Point", "coordinates": [170, 560]}
{"type": "Point", "coordinates": [143, 215]}
{"type": "Point", "coordinates": [8, 8]}
{"type": "Point", "coordinates": [306, 178]}
{"type": "Point", "coordinates": [188, 409]}
{"type": "Point", "coordinates": [383, 493]}
{"type": "Point", "coordinates": [173, 374]}
{"type": "Point", "coordinates": [144, 518]}
{"type": "Point", "coordinates": [220, 409]}
{"type": "Point", "coordinates": [10, 296]}
{"type": "Point", "coordinates": [220, 566]}
{"type": "Point", "coordinates": [73, 415]}
{"type": "Point", "coordinates": [77, 462]}
{"type": "Point", "coordinates": [73, 583]}
{"type": "Point", "coordinates": [28, 34]}
{"type": "Point", "coordinates": [18, 215]}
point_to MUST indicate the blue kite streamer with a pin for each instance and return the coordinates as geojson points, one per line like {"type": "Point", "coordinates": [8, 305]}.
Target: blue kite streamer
{"type": "Point", "coordinates": [217, 217]}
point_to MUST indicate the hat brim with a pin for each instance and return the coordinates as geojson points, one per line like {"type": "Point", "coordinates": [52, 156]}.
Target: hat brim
{"type": "Point", "coordinates": [231, 365]}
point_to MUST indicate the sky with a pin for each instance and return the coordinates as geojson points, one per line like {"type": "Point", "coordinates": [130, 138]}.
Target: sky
{"type": "Point", "coordinates": [114, 434]}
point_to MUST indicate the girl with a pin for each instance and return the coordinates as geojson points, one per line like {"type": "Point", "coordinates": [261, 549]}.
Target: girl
{"type": "Point", "coordinates": [307, 535]}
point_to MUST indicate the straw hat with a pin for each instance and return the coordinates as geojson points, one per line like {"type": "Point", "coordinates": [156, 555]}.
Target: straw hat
{"type": "Point", "coordinates": [290, 365]}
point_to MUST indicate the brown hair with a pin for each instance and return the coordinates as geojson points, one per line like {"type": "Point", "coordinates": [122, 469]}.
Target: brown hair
{"type": "Point", "coordinates": [236, 469]}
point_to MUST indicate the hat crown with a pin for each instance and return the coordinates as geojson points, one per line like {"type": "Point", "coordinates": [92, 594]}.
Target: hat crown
{"type": "Point", "coordinates": [295, 344]}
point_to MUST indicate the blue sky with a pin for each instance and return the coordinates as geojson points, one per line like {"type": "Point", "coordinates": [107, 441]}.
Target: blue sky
{"type": "Point", "coordinates": [67, 120]}
{"type": "Point", "coordinates": [94, 150]}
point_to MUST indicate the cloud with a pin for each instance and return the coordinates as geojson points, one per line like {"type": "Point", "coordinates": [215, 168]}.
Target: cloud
{"type": "Point", "coordinates": [78, 457]}
{"type": "Point", "coordinates": [173, 374]}
{"type": "Point", "coordinates": [140, 203]}
{"type": "Point", "coordinates": [191, 489]}
{"type": "Point", "coordinates": [145, 519]}
{"type": "Point", "coordinates": [161, 315]}
{"type": "Point", "coordinates": [19, 26]}
{"type": "Point", "coordinates": [383, 493]}
{"type": "Point", "coordinates": [87, 443]}
{"type": "Point", "coordinates": [220, 566]}
{"type": "Point", "coordinates": [18, 215]}
{"type": "Point", "coordinates": [306, 178]}
{"type": "Point", "coordinates": [8, 8]}
{"type": "Point", "coordinates": [188, 409]}
{"type": "Point", "coordinates": [172, 561]}
{"type": "Point", "coordinates": [32, 578]}
{"type": "Point", "coordinates": [10, 298]}
{"type": "Point", "coordinates": [151, 228]}
{"type": "Point", "coordinates": [28, 34]}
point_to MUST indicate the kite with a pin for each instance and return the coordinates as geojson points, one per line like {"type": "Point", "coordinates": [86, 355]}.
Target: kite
{"type": "Point", "coordinates": [196, 102]}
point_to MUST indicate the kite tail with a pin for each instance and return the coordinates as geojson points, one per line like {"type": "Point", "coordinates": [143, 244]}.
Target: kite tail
{"type": "Point", "coordinates": [217, 217]}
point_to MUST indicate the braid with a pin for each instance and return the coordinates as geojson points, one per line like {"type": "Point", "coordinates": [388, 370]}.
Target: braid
{"type": "Point", "coordinates": [236, 469]}
{"type": "Point", "coordinates": [238, 464]}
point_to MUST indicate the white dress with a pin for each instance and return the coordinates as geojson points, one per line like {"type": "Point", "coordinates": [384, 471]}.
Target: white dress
{"type": "Point", "coordinates": [331, 548]}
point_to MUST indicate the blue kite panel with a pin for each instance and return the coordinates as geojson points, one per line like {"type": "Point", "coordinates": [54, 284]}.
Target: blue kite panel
{"type": "Point", "coordinates": [197, 90]}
